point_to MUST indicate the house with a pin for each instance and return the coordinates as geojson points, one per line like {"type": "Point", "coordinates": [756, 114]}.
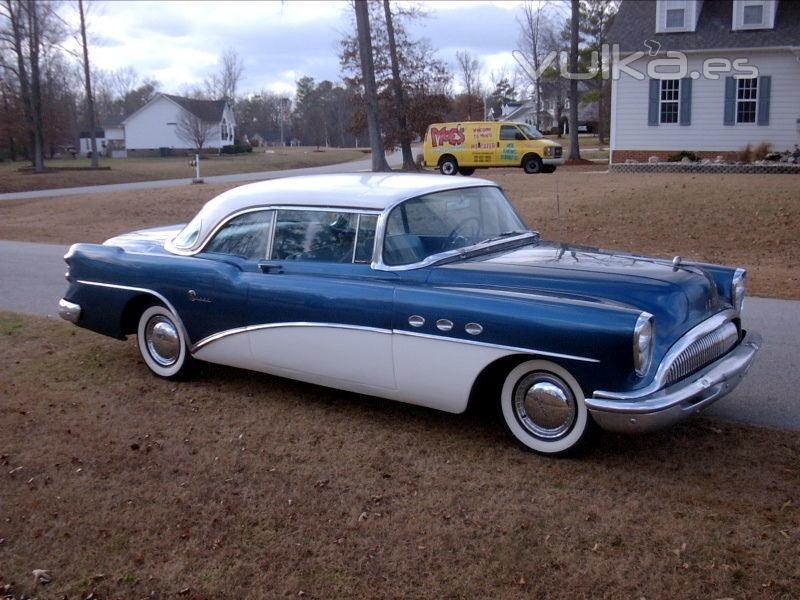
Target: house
{"type": "Point", "coordinates": [157, 125]}
{"type": "Point", "coordinates": [735, 82]}
{"type": "Point", "coordinates": [110, 139]}
{"type": "Point", "coordinates": [525, 112]}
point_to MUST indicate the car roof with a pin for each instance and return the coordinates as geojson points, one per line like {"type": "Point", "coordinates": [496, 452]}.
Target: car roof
{"type": "Point", "coordinates": [348, 191]}
{"type": "Point", "coordinates": [371, 191]}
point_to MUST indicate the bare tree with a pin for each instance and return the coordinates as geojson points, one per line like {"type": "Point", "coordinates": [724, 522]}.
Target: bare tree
{"type": "Point", "coordinates": [535, 25]}
{"type": "Point", "coordinates": [370, 89]}
{"type": "Point", "coordinates": [397, 84]}
{"type": "Point", "coordinates": [88, 87]}
{"type": "Point", "coordinates": [470, 77]}
{"type": "Point", "coordinates": [125, 80]}
{"type": "Point", "coordinates": [225, 83]}
{"type": "Point", "coordinates": [195, 131]}
{"type": "Point", "coordinates": [574, 33]}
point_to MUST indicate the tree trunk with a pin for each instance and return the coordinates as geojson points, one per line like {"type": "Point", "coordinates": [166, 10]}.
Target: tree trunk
{"type": "Point", "coordinates": [22, 72]}
{"type": "Point", "coordinates": [88, 82]}
{"type": "Point", "coordinates": [574, 150]}
{"type": "Point", "coordinates": [402, 122]}
{"type": "Point", "coordinates": [36, 87]}
{"type": "Point", "coordinates": [370, 92]}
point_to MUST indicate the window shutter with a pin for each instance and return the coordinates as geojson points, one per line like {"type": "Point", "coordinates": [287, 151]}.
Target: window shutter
{"type": "Point", "coordinates": [652, 108]}
{"type": "Point", "coordinates": [686, 101]}
{"type": "Point", "coordinates": [764, 85]}
{"type": "Point", "coordinates": [730, 101]}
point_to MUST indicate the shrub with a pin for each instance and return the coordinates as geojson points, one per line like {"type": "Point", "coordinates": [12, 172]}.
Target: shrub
{"type": "Point", "coordinates": [760, 152]}
{"type": "Point", "coordinates": [745, 155]}
{"type": "Point", "coordinates": [678, 157]}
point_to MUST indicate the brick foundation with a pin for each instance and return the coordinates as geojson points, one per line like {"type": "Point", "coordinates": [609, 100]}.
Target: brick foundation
{"type": "Point", "coordinates": [620, 156]}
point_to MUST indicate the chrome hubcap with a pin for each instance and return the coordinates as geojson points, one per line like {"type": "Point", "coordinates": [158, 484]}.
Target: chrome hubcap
{"type": "Point", "coordinates": [448, 168]}
{"type": "Point", "coordinates": [544, 405]}
{"type": "Point", "coordinates": [163, 341]}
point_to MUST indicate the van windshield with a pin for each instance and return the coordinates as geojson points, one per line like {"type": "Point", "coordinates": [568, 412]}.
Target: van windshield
{"type": "Point", "coordinates": [530, 131]}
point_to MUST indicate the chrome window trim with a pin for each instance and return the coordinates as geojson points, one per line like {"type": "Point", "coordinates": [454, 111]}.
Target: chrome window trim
{"type": "Point", "coordinates": [200, 245]}
{"type": "Point", "coordinates": [228, 332]}
{"type": "Point", "coordinates": [380, 233]}
{"type": "Point", "coordinates": [659, 381]}
{"type": "Point", "coordinates": [145, 291]}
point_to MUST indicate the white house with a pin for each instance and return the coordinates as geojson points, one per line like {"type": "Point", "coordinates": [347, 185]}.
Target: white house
{"type": "Point", "coordinates": [156, 124]}
{"type": "Point", "coordinates": [110, 140]}
{"type": "Point", "coordinates": [739, 84]}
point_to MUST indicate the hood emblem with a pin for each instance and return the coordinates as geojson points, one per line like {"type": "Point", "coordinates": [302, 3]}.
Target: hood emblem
{"type": "Point", "coordinates": [676, 263]}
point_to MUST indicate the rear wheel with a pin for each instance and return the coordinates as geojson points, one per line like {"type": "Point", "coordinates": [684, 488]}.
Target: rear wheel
{"type": "Point", "coordinates": [543, 408]}
{"type": "Point", "coordinates": [466, 171]}
{"type": "Point", "coordinates": [548, 168]}
{"type": "Point", "coordinates": [532, 164]}
{"type": "Point", "coordinates": [162, 343]}
{"type": "Point", "coordinates": [448, 166]}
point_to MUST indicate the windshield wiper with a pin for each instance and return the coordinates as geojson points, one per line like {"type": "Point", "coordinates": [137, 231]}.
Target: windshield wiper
{"type": "Point", "coordinates": [504, 234]}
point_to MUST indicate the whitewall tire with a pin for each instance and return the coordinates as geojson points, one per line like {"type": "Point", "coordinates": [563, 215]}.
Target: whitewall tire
{"type": "Point", "coordinates": [544, 408]}
{"type": "Point", "coordinates": [162, 342]}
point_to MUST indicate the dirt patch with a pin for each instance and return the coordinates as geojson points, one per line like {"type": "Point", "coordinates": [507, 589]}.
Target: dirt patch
{"type": "Point", "coordinates": [743, 220]}
{"type": "Point", "coordinates": [244, 485]}
{"type": "Point", "coordinates": [65, 173]}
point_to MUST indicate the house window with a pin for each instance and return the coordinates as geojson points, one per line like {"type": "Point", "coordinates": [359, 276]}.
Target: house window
{"type": "Point", "coordinates": [675, 18]}
{"type": "Point", "coordinates": [753, 14]}
{"type": "Point", "coordinates": [746, 100]}
{"type": "Point", "coordinates": [669, 105]}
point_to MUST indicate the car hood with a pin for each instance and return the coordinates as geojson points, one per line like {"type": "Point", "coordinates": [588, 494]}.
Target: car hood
{"type": "Point", "coordinates": [145, 240]}
{"type": "Point", "coordinates": [678, 298]}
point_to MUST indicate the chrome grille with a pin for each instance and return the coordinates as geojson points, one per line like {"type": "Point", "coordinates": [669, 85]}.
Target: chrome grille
{"type": "Point", "coordinates": [703, 351]}
{"type": "Point", "coordinates": [557, 152]}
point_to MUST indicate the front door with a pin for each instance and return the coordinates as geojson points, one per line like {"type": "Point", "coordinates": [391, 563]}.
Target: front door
{"type": "Point", "coordinates": [509, 152]}
{"type": "Point", "coordinates": [316, 310]}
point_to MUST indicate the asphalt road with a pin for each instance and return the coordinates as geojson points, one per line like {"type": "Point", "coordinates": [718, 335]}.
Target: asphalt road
{"type": "Point", "coordinates": [32, 281]}
{"type": "Point", "coordinates": [365, 164]}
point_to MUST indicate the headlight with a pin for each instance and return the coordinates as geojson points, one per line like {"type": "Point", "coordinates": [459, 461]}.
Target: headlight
{"type": "Point", "coordinates": [738, 289]}
{"type": "Point", "coordinates": [548, 150]}
{"type": "Point", "coordinates": [643, 343]}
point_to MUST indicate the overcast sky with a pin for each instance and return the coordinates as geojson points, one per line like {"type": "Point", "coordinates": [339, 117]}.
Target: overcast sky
{"type": "Point", "coordinates": [178, 43]}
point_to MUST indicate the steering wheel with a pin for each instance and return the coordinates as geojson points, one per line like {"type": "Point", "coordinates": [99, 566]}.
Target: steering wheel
{"type": "Point", "coordinates": [462, 233]}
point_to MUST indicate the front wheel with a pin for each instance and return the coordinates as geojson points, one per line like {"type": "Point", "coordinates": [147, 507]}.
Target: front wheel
{"type": "Point", "coordinates": [162, 343]}
{"type": "Point", "coordinates": [532, 164]}
{"type": "Point", "coordinates": [543, 408]}
{"type": "Point", "coordinates": [448, 166]}
{"type": "Point", "coordinates": [548, 169]}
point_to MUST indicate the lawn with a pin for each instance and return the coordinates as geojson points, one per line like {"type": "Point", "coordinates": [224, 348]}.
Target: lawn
{"type": "Point", "coordinates": [744, 220]}
{"type": "Point", "coordinates": [145, 169]}
{"type": "Point", "coordinates": [243, 485]}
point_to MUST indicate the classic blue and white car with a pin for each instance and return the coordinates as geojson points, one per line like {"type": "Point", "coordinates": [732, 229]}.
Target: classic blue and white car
{"type": "Point", "coordinates": [425, 289]}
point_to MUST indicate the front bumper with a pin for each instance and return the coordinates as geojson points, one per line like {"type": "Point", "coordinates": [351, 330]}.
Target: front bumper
{"type": "Point", "coordinates": [553, 161]}
{"type": "Point", "coordinates": [69, 311]}
{"type": "Point", "coordinates": [679, 401]}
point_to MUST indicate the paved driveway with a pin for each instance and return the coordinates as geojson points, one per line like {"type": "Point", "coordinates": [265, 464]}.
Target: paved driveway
{"type": "Point", "coordinates": [32, 281]}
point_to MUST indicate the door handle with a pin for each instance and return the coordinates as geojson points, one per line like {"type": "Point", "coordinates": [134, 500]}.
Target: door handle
{"type": "Point", "coordinates": [269, 267]}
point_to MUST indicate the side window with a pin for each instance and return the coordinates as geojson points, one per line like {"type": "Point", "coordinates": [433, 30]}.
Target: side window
{"type": "Point", "coordinates": [310, 235]}
{"type": "Point", "coordinates": [365, 239]}
{"type": "Point", "coordinates": [245, 236]}
{"type": "Point", "coordinates": [508, 132]}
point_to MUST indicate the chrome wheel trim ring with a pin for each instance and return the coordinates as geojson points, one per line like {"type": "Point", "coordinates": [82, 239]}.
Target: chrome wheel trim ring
{"type": "Point", "coordinates": [544, 405]}
{"type": "Point", "coordinates": [448, 168]}
{"type": "Point", "coordinates": [162, 340]}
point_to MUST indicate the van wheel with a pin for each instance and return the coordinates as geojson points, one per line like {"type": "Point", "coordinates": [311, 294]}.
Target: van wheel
{"type": "Point", "coordinates": [532, 164]}
{"type": "Point", "coordinates": [448, 166]}
{"type": "Point", "coordinates": [548, 168]}
{"type": "Point", "coordinates": [466, 171]}
{"type": "Point", "coordinates": [543, 407]}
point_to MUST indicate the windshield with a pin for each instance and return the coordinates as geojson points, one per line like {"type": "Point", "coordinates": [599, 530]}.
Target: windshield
{"type": "Point", "coordinates": [530, 131]}
{"type": "Point", "coordinates": [188, 235]}
{"type": "Point", "coordinates": [444, 221]}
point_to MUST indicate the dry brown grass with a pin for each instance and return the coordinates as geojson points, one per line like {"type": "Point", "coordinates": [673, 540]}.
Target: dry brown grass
{"type": "Point", "coordinates": [245, 485]}
{"type": "Point", "coordinates": [743, 220]}
{"type": "Point", "coordinates": [125, 170]}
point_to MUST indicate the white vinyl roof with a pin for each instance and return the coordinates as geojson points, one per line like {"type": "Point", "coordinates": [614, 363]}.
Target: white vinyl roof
{"type": "Point", "coordinates": [352, 191]}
